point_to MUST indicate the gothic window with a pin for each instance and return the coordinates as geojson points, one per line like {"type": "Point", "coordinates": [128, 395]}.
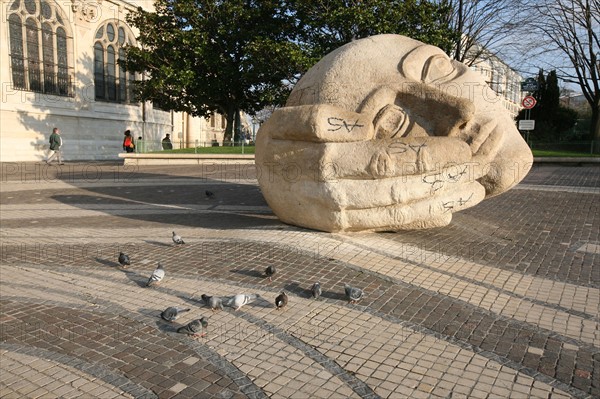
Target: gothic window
{"type": "Point", "coordinates": [63, 61]}
{"type": "Point", "coordinates": [48, 53]}
{"type": "Point", "coordinates": [33, 54]}
{"type": "Point", "coordinates": [17, 60]}
{"type": "Point", "coordinates": [39, 48]}
{"type": "Point", "coordinates": [111, 74]}
{"type": "Point", "coordinates": [113, 83]}
{"type": "Point", "coordinates": [99, 70]}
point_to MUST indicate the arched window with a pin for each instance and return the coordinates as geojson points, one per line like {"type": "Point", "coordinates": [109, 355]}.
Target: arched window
{"type": "Point", "coordinates": [48, 51]}
{"type": "Point", "coordinates": [111, 74]}
{"type": "Point", "coordinates": [17, 60]}
{"type": "Point", "coordinates": [63, 61]}
{"type": "Point", "coordinates": [99, 70]}
{"type": "Point", "coordinates": [113, 83]}
{"type": "Point", "coordinates": [39, 48]}
{"type": "Point", "coordinates": [33, 54]}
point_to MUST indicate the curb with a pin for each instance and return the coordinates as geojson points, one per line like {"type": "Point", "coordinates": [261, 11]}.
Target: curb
{"type": "Point", "coordinates": [573, 160]}
{"type": "Point", "coordinates": [184, 159]}
{"type": "Point", "coordinates": [196, 159]}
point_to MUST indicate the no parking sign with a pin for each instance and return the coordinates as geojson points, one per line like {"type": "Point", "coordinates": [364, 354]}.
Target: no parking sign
{"type": "Point", "coordinates": [528, 102]}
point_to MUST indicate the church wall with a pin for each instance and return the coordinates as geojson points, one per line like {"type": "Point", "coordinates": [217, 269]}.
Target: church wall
{"type": "Point", "coordinates": [91, 129]}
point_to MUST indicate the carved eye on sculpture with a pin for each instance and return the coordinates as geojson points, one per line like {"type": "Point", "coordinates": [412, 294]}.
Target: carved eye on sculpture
{"type": "Point", "coordinates": [390, 121]}
{"type": "Point", "coordinates": [430, 65]}
{"type": "Point", "coordinates": [438, 68]}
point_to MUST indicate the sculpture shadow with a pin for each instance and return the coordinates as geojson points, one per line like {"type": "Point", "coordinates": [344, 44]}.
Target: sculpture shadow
{"type": "Point", "coordinates": [155, 208]}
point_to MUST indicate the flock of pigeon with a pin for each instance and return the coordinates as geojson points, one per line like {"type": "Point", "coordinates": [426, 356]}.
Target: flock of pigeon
{"type": "Point", "coordinates": [198, 327]}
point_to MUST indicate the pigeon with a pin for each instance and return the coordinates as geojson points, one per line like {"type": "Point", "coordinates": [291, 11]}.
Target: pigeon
{"type": "Point", "coordinates": [316, 290]}
{"type": "Point", "coordinates": [157, 276]}
{"type": "Point", "coordinates": [209, 194]}
{"type": "Point", "coordinates": [240, 300]}
{"type": "Point", "coordinates": [353, 294]}
{"type": "Point", "coordinates": [281, 300]}
{"type": "Point", "coordinates": [177, 239]}
{"type": "Point", "coordinates": [194, 327]}
{"type": "Point", "coordinates": [172, 313]}
{"type": "Point", "coordinates": [213, 302]}
{"type": "Point", "coordinates": [270, 271]}
{"type": "Point", "coordinates": [124, 259]}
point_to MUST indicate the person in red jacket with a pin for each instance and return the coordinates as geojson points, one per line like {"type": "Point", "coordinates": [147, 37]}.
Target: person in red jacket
{"type": "Point", "coordinates": [128, 144]}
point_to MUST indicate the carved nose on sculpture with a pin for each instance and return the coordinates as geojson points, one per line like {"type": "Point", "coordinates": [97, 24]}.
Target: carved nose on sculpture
{"type": "Point", "coordinates": [444, 114]}
{"type": "Point", "coordinates": [452, 114]}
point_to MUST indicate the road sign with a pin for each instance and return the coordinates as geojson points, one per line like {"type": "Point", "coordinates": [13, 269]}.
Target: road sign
{"type": "Point", "coordinates": [527, 124]}
{"type": "Point", "coordinates": [528, 102]}
{"type": "Point", "coordinates": [529, 84]}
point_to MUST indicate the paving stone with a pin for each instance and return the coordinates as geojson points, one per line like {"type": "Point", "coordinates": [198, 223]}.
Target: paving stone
{"type": "Point", "coordinates": [486, 289]}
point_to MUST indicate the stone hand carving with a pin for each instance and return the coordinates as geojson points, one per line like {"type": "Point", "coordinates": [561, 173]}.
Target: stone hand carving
{"type": "Point", "coordinates": [387, 133]}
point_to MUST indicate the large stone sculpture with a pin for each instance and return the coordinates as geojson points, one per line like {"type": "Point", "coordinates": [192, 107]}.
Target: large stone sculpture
{"type": "Point", "coordinates": [387, 133]}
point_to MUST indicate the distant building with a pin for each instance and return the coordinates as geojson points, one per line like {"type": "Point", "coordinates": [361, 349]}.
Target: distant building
{"type": "Point", "coordinates": [505, 81]}
{"type": "Point", "coordinates": [59, 67]}
{"type": "Point", "coordinates": [576, 101]}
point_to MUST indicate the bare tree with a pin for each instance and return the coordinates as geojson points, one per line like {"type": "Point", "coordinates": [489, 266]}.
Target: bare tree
{"type": "Point", "coordinates": [484, 27]}
{"type": "Point", "coordinates": [572, 29]}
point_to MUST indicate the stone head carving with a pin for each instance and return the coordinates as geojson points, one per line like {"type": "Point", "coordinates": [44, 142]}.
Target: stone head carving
{"type": "Point", "coordinates": [387, 133]}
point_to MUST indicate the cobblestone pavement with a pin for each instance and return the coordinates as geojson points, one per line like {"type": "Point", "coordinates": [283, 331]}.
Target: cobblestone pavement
{"type": "Point", "coordinates": [503, 303]}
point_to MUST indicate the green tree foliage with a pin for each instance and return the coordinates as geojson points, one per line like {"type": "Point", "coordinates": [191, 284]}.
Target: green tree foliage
{"type": "Point", "coordinates": [552, 120]}
{"type": "Point", "coordinates": [328, 24]}
{"type": "Point", "coordinates": [204, 56]}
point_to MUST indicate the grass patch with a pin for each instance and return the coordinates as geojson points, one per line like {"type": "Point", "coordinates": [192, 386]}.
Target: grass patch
{"type": "Point", "coordinates": [248, 149]}
{"type": "Point", "coordinates": [553, 153]}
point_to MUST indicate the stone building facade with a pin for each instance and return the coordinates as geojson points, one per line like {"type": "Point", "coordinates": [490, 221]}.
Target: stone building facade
{"type": "Point", "coordinates": [59, 68]}
{"type": "Point", "coordinates": [505, 81]}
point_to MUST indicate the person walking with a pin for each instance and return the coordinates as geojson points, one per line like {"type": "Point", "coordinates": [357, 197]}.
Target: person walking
{"type": "Point", "coordinates": [166, 143]}
{"type": "Point", "coordinates": [128, 144]}
{"type": "Point", "coordinates": [55, 146]}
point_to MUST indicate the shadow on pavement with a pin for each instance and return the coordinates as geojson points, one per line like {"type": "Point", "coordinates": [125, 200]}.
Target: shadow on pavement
{"type": "Point", "coordinates": [161, 194]}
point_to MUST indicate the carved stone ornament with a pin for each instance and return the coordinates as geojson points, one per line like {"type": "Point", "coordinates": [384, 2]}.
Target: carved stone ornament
{"type": "Point", "coordinates": [86, 10]}
{"type": "Point", "coordinates": [75, 5]}
{"type": "Point", "coordinates": [387, 133]}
